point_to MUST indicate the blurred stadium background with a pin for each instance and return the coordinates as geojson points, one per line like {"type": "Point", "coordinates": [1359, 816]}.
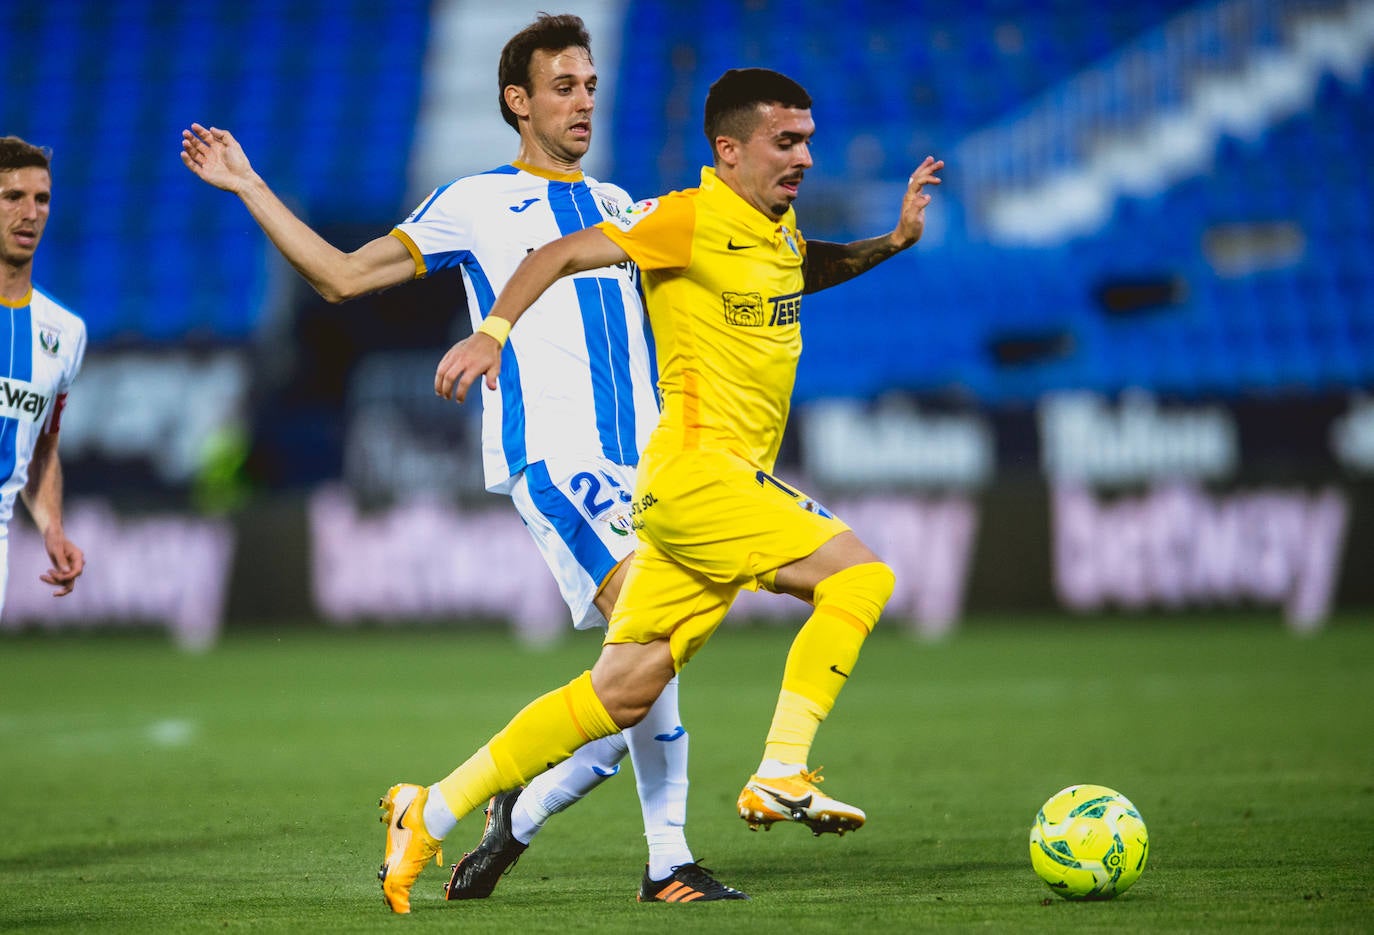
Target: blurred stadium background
{"type": "Point", "coordinates": [1128, 369]}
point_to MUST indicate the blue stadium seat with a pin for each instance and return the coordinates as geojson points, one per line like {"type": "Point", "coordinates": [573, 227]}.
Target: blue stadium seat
{"type": "Point", "coordinates": [344, 75]}
{"type": "Point", "coordinates": [131, 75]}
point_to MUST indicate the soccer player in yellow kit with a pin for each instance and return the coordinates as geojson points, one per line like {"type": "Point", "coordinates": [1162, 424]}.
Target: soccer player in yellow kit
{"type": "Point", "coordinates": [724, 271]}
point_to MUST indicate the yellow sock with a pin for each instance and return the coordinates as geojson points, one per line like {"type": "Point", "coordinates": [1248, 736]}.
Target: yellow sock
{"type": "Point", "coordinates": [544, 733]}
{"type": "Point", "coordinates": [822, 656]}
{"type": "Point", "coordinates": [795, 720]}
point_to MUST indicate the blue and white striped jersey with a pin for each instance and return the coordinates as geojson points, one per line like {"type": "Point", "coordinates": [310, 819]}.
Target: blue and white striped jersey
{"type": "Point", "coordinates": [41, 348]}
{"type": "Point", "coordinates": [578, 373]}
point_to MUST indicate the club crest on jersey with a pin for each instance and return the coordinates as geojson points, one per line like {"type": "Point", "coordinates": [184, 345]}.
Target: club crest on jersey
{"type": "Point", "coordinates": [622, 524]}
{"type": "Point", "coordinates": [609, 208]}
{"type": "Point", "coordinates": [628, 217]}
{"type": "Point", "coordinates": [791, 243]}
{"type": "Point", "coordinates": [50, 340]}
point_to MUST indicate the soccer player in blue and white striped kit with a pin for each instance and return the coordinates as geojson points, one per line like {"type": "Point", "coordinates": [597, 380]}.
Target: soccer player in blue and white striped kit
{"type": "Point", "coordinates": [42, 345]}
{"type": "Point", "coordinates": [561, 434]}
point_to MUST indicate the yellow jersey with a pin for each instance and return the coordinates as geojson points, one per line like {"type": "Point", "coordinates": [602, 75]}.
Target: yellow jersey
{"type": "Point", "coordinates": [723, 290]}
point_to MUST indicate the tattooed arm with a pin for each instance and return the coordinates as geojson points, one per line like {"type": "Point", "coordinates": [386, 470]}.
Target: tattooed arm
{"type": "Point", "coordinates": [828, 264]}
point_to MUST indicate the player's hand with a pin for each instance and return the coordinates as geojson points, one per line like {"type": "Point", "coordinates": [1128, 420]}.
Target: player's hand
{"type": "Point", "coordinates": [68, 563]}
{"type": "Point", "coordinates": [912, 222]}
{"type": "Point", "coordinates": [474, 356]}
{"type": "Point", "coordinates": [216, 157]}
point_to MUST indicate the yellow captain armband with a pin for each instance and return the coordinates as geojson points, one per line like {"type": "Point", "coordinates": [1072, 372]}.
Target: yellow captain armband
{"type": "Point", "coordinates": [497, 328]}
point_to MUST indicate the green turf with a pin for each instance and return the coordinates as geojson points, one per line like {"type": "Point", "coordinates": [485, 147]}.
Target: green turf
{"type": "Point", "coordinates": [152, 791]}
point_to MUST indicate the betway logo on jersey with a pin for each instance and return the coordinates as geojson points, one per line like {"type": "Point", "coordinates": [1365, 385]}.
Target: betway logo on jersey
{"type": "Point", "coordinates": [747, 309]}
{"type": "Point", "coordinates": [19, 400]}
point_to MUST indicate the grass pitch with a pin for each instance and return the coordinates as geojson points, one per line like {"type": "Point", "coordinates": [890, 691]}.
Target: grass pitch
{"type": "Point", "coordinates": [152, 791]}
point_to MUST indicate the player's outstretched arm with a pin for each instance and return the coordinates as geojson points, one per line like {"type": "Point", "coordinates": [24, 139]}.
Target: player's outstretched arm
{"type": "Point", "coordinates": [479, 355]}
{"type": "Point", "coordinates": [219, 160]}
{"type": "Point", "coordinates": [828, 264]}
{"type": "Point", "coordinates": [42, 494]}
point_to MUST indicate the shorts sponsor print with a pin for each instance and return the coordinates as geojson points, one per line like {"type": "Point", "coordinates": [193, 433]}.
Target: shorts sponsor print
{"type": "Point", "coordinates": [709, 524]}
{"type": "Point", "coordinates": [578, 512]}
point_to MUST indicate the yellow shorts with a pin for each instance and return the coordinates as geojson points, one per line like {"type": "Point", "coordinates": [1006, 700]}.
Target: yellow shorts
{"type": "Point", "coordinates": [709, 523]}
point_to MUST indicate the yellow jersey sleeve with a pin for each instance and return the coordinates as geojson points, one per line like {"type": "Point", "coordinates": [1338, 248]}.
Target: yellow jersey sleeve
{"type": "Point", "coordinates": [656, 232]}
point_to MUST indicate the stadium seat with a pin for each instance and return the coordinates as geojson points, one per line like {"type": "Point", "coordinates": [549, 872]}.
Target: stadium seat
{"type": "Point", "coordinates": [133, 74]}
{"type": "Point", "coordinates": [891, 82]}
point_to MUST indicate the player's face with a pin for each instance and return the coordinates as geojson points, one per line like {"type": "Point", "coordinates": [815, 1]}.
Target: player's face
{"type": "Point", "coordinates": [24, 198]}
{"type": "Point", "coordinates": [562, 98]}
{"type": "Point", "coordinates": [771, 163]}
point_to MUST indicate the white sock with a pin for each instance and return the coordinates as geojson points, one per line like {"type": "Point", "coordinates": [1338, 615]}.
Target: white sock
{"type": "Point", "coordinates": [658, 749]}
{"type": "Point", "coordinates": [439, 818]}
{"type": "Point", "coordinates": [555, 789]}
{"type": "Point", "coordinates": [777, 769]}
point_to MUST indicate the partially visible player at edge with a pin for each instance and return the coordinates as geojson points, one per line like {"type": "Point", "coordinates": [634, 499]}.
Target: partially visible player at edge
{"type": "Point", "coordinates": [724, 272]}
{"type": "Point", "coordinates": [562, 432]}
{"type": "Point", "coordinates": [46, 345]}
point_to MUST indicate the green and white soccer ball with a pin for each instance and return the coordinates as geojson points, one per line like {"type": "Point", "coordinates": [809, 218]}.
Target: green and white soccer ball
{"type": "Point", "coordinates": [1088, 842]}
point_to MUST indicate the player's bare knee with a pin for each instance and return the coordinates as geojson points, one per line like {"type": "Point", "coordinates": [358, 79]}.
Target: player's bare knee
{"type": "Point", "coordinates": [629, 677]}
{"type": "Point", "coordinates": [628, 706]}
{"type": "Point", "coordinates": [638, 694]}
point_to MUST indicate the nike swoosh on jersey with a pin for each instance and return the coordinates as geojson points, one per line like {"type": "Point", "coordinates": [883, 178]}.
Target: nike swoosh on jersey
{"type": "Point", "coordinates": [521, 207]}
{"type": "Point", "coordinates": [836, 670]}
{"type": "Point", "coordinates": [731, 245]}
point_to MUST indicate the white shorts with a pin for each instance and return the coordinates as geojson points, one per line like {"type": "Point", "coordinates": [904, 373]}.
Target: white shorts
{"type": "Point", "coordinates": [578, 512]}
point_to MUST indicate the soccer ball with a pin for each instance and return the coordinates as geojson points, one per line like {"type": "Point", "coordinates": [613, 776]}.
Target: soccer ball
{"type": "Point", "coordinates": [1088, 842]}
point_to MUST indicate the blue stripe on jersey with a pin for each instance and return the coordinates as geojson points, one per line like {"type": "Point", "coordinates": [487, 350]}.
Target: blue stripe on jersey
{"type": "Point", "coordinates": [603, 322]}
{"type": "Point", "coordinates": [420, 211]}
{"type": "Point", "coordinates": [604, 328]}
{"type": "Point", "coordinates": [512, 401]}
{"type": "Point", "coordinates": [446, 260]}
{"type": "Point", "coordinates": [618, 364]}
{"type": "Point", "coordinates": [16, 346]}
{"type": "Point", "coordinates": [573, 528]}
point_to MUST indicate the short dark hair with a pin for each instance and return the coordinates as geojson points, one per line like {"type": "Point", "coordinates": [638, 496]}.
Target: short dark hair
{"type": "Point", "coordinates": [732, 104]}
{"type": "Point", "coordinates": [17, 154]}
{"type": "Point", "coordinates": [549, 33]}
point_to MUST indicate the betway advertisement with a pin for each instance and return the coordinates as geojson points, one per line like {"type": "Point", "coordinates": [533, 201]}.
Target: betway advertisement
{"type": "Point", "coordinates": [1150, 510]}
{"type": "Point", "coordinates": [429, 559]}
{"type": "Point", "coordinates": [164, 570]}
{"type": "Point", "coordinates": [1083, 504]}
